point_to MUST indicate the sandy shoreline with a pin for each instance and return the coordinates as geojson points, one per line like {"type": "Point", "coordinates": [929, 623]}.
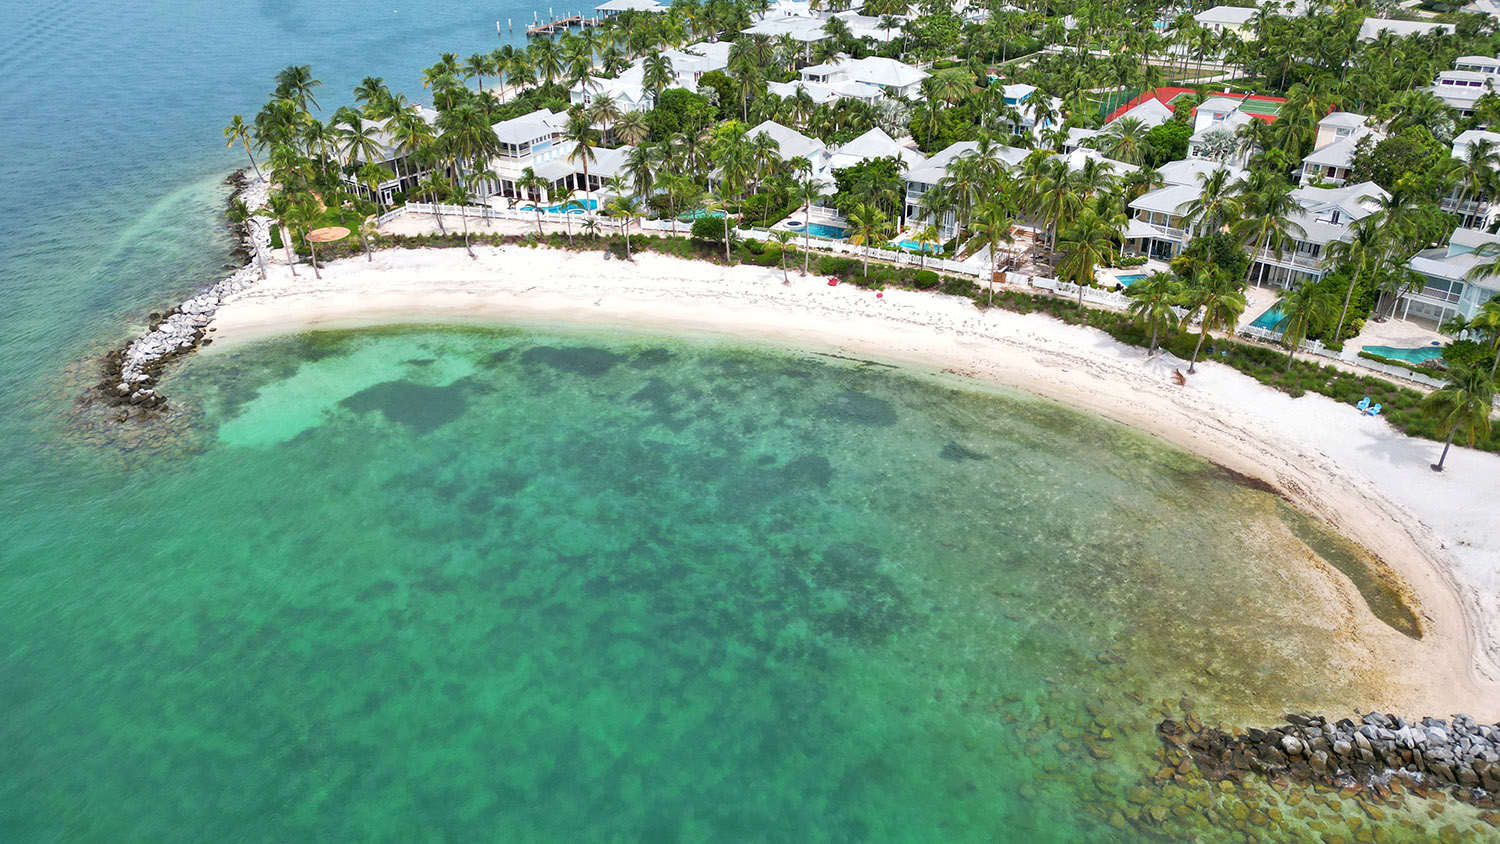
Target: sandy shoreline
{"type": "Point", "coordinates": [1368, 481]}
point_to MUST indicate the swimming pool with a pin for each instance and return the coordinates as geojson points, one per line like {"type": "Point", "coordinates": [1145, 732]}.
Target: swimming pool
{"type": "Point", "coordinates": [1270, 319]}
{"type": "Point", "coordinates": [1419, 354]}
{"type": "Point", "coordinates": [583, 205]}
{"type": "Point", "coordinates": [1128, 280]}
{"type": "Point", "coordinates": [821, 230]}
{"type": "Point", "coordinates": [930, 248]}
{"type": "Point", "coordinates": [700, 213]}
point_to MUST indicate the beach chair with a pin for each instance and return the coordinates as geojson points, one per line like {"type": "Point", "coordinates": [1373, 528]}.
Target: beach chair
{"type": "Point", "coordinates": [1363, 404]}
{"type": "Point", "coordinates": [1374, 409]}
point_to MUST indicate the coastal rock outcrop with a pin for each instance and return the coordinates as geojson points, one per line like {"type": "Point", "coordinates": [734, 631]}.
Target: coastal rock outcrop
{"type": "Point", "coordinates": [1458, 754]}
{"type": "Point", "coordinates": [130, 373]}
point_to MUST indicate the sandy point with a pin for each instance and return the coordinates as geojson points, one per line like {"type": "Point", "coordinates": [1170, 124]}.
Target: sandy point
{"type": "Point", "coordinates": [1437, 532]}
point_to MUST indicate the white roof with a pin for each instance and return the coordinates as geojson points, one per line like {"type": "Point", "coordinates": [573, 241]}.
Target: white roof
{"type": "Point", "coordinates": [1151, 112]}
{"type": "Point", "coordinates": [1469, 136]}
{"type": "Point", "coordinates": [819, 93]}
{"type": "Point", "coordinates": [1226, 15]}
{"type": "Point", "coordinates": [530, 127]}
{"type": "Point", "coordinates": [806, 30]}
{"type": "Point", "coordinates": [1017, 91]}
{"type": "Point", "coordinates": [1186, 171]}
{"type": "Point", "coordinates": [1372, 27]}
{"type": "Point", "coordinates": [1483, 7]}
{"type": "Point", "coordinates": [630, 6]}
{"type": "Point", "coordinates": [1454, 261]}
{"type": "Point", "coordinates": [873, 144]}
{"type": "Point", "coordinates": [1076, 158]}
{"type": "Point", "coordinates": [1168, 200]}
{"type": "Point", "coordinates": [789, 142]}
{"type": "Point", "coordinates": [1355, 201]}
{"type": "Point", "coordinates": [929, 172]}
{"type": "Point", "coordinates": [1340, 153]}
{"type": "Point", "coordinates": [1343, 120]}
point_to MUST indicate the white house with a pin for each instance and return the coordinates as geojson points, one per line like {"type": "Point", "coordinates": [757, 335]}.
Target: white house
{"type": "Point", "coordinates": [1216, 115]}
{"type": "Point", "coordinates": [880, 76]}
{"type": "Point", "coordinates": [1333, 151]}
{"type": "Point", "coordinates": [871, 145]}
{"type": "Point", "coordinates": [1024, 100]}
{"type": "Point", "coordinates": [1447, 291]}
{"type": "Point", "coordinates": [923, 176]}
{"type": "Point", "coordinates": [532, 140]}
{"type": "Point", "coordinates": [791, 144]}
{"type": "Point", "coordinates": [1471, 78]}
{"type": "Point", "coordinates": [1232, 19]}
{"type": "Point", "coordinates": [405, 175]}
{"type": "Point", "coordinates": [1372, 27]}
{"type": "Point", "coordinates": [610, 8]}
{"type": "Point", "coordinates": [1474, 212]}
{"type": "Point", "coordinates": [628, 90]}
{"type": "Point", "coordinates": [1326, 215]}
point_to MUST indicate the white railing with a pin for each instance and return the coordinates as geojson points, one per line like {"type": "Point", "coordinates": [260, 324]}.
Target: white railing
{"type": "Point", "coordinates": [1398, 372]}
{"type": "Point", "coordinates": [1090, 294]}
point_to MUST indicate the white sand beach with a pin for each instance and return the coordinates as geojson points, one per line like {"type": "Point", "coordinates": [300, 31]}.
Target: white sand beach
{"type": "Point", "coordinates": [1439, 532]}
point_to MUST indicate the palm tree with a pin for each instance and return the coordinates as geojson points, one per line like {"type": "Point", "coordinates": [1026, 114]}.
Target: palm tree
{"type": "Point", "coordinates": [1056, 200]}
{"type": "Point", "coordinates": [1354, 254]}
{"type": "Point", "coordinates": [1086, 244]}
{"type": "Point", "coordinates": [626, 207]}
{"type": "Point", "coordinates": [1487, 319]}
{"type": "Point", "coordinates": [713, 201]}
{"type": "Point", "coordinates": [436, 189]}
{"type": "Point", "coordinates": [296, 83]}
{"type": "Point", "coordinates": [926, 236]}
{"type": "Point", "coordinates": [584, 137]}
{"type": "Point", "coordinates": [640, 165]}
{"type": "Point", "coordinates": [604, 112]}
{"type": "Point", "coordinates": [632, 128]}
{"type": "Point", "coordinates": [283, 212]}
{"type": "Point", "coordinates": [237, 131]}
{"type": "Point", "coordinates": [783, 238]}
{"type": "Point", "coordinates": [991, 227]}
{"type": "Point", "coordinates": [1151, 303]}
{"type": "Point", "coordinates": [1220, 298]}
{"type": "Point", "coordinates": [305, 217]}
{"type": "Point", "coordinates": [868, 225]}
{"type": "Point", "coordinates": [1303, 311]}
{"type": "Point", "coordinates": [530, 181]}
{"type": "Point", "coordinates": [1464, 403]}
{"type": "Point", "coordinates": [1125, 140]}
{"type": "Point", "coordinates": [1268, 207]}
{"type": "Point", "coordinates": [1215, 204]}
{"type": "Point", "coordinates": [657, 75]}
{"type": "Point", "coordinates": [807, 192]}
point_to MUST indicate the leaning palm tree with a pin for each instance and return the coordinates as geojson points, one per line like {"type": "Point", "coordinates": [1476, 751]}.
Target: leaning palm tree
{"type": "Point", "coordinates": [305, 217]}
{"type": "Point", "coordinates": [238, 132]}
{"type": "Point", "coordinates": [716, 203]}
{"type": "Point", "coordinates": [1151, 303]}
{"type": "Point", "coordinates": [1220, 298]}
{"type": "Point", "coordinates": [1354, 254]}
{"type": "Point", "coordinates": [925, 236]}
{"type": "Point", "coordinates": [1464, 403]}
{"type": "Point", "coordinates": [626, 207]}
{"type": "Point", "coordinates": [240, 214]}
{"type": "Point", "coordinates": [1303, 311]}
{"type": "Point", "coordinates": [283, 213]}
{"type": "Point", "coordinates": [783, 238]}
{"type": "Point", "coordinates": [1085, 245]}
{"type": "Point", "coordinates": [868, 226]}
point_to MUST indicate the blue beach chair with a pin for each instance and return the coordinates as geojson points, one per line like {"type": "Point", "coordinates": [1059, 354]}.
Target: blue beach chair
{"type": "Point", "coordinates": [1363, 404]}
{"type": "Point", "coordinates": [1374, 410]}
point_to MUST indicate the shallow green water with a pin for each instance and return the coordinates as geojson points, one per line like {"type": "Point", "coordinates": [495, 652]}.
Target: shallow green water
{"type": "Point", "coordinates": [505, 586]}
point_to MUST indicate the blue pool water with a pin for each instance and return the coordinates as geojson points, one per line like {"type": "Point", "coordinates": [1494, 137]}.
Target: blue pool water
{"type": "Point", "coordinates": [930, 248]}
{"type": "Point", "coordinates": [821, 230]}
{"type": "Point", "coordinates": [1128, 280]}
{"type": "Point", "coordinates": [700, 213]}
{"type": "Point", "coordinates": [1269, 319]}
{"type": "Point", "coordinates": [1419, 354]}
{"type": "Point", "coordinates": [583, 204]}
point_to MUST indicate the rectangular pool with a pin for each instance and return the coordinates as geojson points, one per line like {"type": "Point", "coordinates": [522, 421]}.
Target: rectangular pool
{"type": "Point", "coordinates": [1128, 280]}
{"type": "Point", "coordinates": [1270, 319]}
{"type": "Point", "coordinates": [822, 230]}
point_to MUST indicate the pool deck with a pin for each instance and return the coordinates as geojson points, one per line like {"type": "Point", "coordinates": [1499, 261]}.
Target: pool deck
{"type": "Point", "coordinates": [1395, 334]}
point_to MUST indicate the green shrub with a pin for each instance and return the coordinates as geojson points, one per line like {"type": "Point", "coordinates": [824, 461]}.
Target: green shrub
{"type": "Point", "coordinates": [841, 267]}
{"type": "Point", "coordinates": [708, 228]}
{"type": "Point", "coordinates": [1467, 353]}
{"type": "Point", "coordinates": [924, 279]}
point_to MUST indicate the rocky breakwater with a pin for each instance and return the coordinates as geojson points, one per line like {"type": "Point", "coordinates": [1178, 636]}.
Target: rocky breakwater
{"type": "Point", "coordinates": [130, 373]}
{"type": "Point", "coordinates": [1432, 754]}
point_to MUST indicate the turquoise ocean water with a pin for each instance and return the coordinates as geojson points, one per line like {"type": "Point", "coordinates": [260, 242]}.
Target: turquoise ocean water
{"type": "Point", "coordinates": [541, 585]}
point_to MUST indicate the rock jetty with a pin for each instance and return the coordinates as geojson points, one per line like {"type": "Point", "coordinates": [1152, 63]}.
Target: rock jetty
{"type": "Point", "coordinates": [130, 373]}
{"type": "Point", "coordinates": [1459, 754]}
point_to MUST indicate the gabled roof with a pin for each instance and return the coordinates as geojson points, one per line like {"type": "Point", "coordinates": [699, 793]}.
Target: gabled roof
{"type": "Point", "coordinates": [1372, 27]}
{"type": "Point", "coordinates": [1454, 261]}
{"type": "Point", "coordinates": [530, 127]}
{"type": "Point", "coordinates": [1343, 120]}
{"type": "Point", "coordinates": [1168, 200]}
{"type": "Point", "coordinates": [934, 168]}
{"type": "Point", "coordinates": [1340, 153]}
{"type": "Point", "coordinates": [1187, 171]}
{"type": "Point", "coordinates": [873, 144]}
{"type": "Point", "coordinates": [1265, 108]}
{"type": "Point", "coordinates": [790, 143]}
{"type": "Point", "coordinates": [1152, 112]}
{"type": "Point", "coordinates": [1469, 136]}
{"type": "Point", "coordinates": [1355, 201]}
{"type": "Point", "coordinates": [1076, 158]}
{"type": "Point", "coordinates": [1226, 15]}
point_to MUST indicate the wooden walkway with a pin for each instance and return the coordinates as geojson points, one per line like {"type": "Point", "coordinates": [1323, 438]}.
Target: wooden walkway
{"type": "Point", "coordinates": [560, 25]}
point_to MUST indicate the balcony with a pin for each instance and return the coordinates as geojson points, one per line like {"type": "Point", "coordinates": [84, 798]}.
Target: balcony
{"type": "Point", "coordinates": [1438, 295]}
{"type": "Point", "coordinates": [1300, 260]}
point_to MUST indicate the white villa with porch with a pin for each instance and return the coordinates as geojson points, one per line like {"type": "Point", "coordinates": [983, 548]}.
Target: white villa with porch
{"type": "Point", "coordinates": [1446, 290]}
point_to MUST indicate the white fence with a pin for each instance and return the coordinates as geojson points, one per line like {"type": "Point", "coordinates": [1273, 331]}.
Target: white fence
{"type": "Point", "coordinates": [1090, 294]}
{"type": "Point", "coordinates": [1399, 372]}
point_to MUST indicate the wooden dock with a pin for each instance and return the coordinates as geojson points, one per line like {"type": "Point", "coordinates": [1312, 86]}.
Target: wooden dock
{"type": "Point", "coordinates": [560, 25]}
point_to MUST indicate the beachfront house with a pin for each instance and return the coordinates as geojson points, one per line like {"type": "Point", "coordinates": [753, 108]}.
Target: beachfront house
{"type": "Point", "coordinates": [1332, 158]}
{"type": "Point", "coordinates": [1446, 290]}
{"type": "Point", "coordinates": [1326, 215]}
{"type": "Point", "coordinates": [405, 173]}
{"type": "Point", "coordinates": [533, 140]}
{"type": "Point", "coordinates": [1031, 113]}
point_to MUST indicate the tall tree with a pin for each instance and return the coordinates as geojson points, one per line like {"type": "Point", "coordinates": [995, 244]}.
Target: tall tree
{"type": "Point", "coordinates": [1463, 404]}
{"type": "Point", "coordinates": [1304, 311]}
{"type": "Point", "coordinates": [238, 132]}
